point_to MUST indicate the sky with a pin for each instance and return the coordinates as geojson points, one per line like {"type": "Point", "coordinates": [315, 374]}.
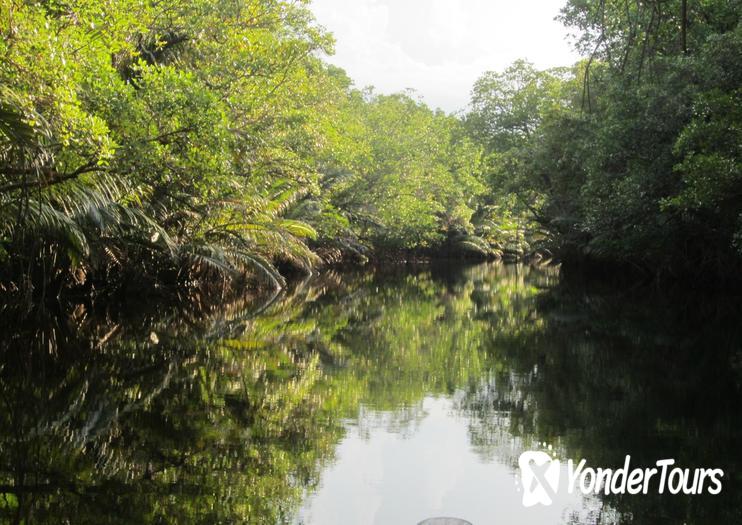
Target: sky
{"type": "Point", "coordinates": [440, 47]}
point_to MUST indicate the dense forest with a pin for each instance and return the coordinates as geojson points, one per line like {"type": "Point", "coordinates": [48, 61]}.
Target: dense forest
{"type": "Point", "coordinates": [186, 144]}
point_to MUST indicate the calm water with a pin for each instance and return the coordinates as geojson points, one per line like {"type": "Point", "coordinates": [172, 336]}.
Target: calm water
{"type": "Point", "coordinates": [373, 398]}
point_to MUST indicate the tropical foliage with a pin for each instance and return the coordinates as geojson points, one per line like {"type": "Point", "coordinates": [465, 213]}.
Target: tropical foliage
{"type": "Point", "coordinates": [199, 144]}
{"type": "Point", "coordinates": [632, 155]}
{"type": "Point", "coordinates": [185, 142]}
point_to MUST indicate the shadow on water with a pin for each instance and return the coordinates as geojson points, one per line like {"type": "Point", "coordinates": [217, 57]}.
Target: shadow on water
{"type": "Point", "coordinates": [232, 414]}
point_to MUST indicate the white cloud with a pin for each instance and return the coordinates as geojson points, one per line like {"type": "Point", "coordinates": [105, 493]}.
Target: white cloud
{"type": "Point", "coordinates": [440, 47]}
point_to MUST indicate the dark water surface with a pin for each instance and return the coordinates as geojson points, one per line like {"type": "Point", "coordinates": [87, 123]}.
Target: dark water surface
{"type": "Point", "coordinates": [374, 398]}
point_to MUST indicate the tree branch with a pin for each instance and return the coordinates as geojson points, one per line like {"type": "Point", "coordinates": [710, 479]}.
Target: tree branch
{"type": "Point", "coordinates": [52, 176]}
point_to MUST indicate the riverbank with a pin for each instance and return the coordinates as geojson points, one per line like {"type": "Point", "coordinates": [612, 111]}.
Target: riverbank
{"type": "Point", "coordinates": [210, 289]}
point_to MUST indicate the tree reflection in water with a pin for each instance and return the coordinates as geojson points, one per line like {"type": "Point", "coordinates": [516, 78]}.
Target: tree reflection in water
{"type": "Point", "coordinates": [229, 414]}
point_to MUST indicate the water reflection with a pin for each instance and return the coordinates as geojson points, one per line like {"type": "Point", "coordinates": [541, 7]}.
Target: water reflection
{"type": "Point", "coordinates": [381, 397]}
{"type": "Point", "coordinates": [384, 475]}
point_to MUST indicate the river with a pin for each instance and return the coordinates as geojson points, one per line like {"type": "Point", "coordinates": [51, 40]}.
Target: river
{"type": "Point", "coordinates": [369, 397]}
